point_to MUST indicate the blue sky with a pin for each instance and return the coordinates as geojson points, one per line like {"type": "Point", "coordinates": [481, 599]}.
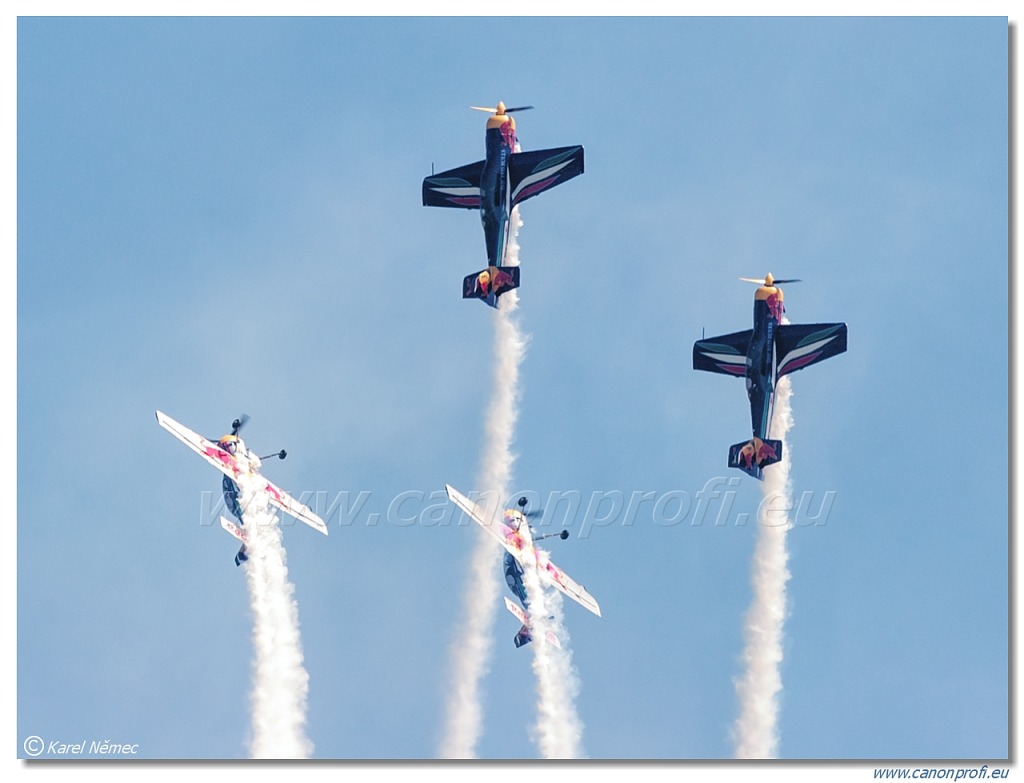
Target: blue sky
{"type": "Point", "coordinates": [218, 216]}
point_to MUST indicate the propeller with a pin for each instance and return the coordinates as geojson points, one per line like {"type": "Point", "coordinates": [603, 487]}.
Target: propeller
{"type": "Point", "coordinates": [524, 512]}
{"type": "Point", "coordinates": [769, 280]}
{"type": "Point", "coordinates": [238, 423]}
{"type": "Point", "coordinates": [564, 534]}
{"type": "Point", "coordinates": [500, 109]}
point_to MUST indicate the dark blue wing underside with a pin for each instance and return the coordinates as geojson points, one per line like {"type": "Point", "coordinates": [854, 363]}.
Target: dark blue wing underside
{"type": "Point", "coordinates": [459, 188]}
{"type": "Point", "coordinates": [801, 345]}
{"type": "Point", "coordinates": [725, 354]}
{"type": "Point", "coordinates": [534, 172]}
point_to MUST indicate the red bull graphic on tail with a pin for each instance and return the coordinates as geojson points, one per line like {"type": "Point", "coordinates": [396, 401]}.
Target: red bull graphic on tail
{"type": "Point", "coordinates": [761, 356]}
{"type": "Point", "coordinates": [488, 284]}
{"type": "Point", "coordinates": [754, 455]}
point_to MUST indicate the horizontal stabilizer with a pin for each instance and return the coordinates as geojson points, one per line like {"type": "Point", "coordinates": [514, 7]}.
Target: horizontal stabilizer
{"type": "Point", "coordinates": [234, 530]}
{"type": "Point", "coordinates": [517, 611]}
{"type": "Point", "coordinates": [490, 283]}
{"type": "Point", "coordinates": [523, 637]}
{"type": "Point", "coordinates": [754, 455]}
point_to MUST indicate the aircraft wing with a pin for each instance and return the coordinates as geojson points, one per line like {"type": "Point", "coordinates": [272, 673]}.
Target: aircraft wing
{"type": "Point", "coordinates": [530, 173]}
{"type": "Point", "coordinates": [454, 188]}
{"type": "Point", "coordinates": [726, 353]}
{"type": "Point", "coordinates": [801, 345]}
{"type": "Point", "coordinates": [206, 449]}
{"type": "Point", "coordinates": [226, 464]}
{"type": "Point", "coordinates": [289, 505]}
{"type": "Point", "coordinates": [561, 581]}
{"type": "Point", "coordinates": [501, 532]}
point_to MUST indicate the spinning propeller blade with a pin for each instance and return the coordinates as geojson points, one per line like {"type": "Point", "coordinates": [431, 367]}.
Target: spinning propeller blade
{"type": "Point", "coordinates": [765, 281]}
{"type": "Point", "coordinates": [495, 109]}
{"type": "Point", "coordinates": [238, 423]}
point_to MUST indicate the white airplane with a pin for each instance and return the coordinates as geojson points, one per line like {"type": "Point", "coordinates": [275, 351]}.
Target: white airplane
{"type": "Point", "coordinates": [231, 457]}
{"type": "Point", "coordinates": [517, 538]}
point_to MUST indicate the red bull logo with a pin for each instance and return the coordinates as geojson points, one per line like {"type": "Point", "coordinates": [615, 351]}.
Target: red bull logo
{"type": "Point", "coordinates": [747, 454]}
{"type": "Point", "coordinates": [483, 281]}
{"type": "Point", "coordinates": [775, 306]}
{"type": "Point", "coordinates": [758, 451]}
{"type": "Point", "coordinates": [766, 451]}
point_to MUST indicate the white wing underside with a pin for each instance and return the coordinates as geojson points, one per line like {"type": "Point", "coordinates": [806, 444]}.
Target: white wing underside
{"type": "Point", "coordinates": [227, 465]}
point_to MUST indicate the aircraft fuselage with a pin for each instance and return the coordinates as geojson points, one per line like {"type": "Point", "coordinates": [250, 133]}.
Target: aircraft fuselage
{"type": "Point", "coordinates": [761, 367]}
{"type": "Point", "coordinates": [514, 579]}
{"type": "Point", "coordinates": [494, 187]}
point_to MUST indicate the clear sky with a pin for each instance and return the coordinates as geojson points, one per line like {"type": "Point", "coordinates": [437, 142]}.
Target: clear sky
{"type": "Point", "coordinates": [222, 216]}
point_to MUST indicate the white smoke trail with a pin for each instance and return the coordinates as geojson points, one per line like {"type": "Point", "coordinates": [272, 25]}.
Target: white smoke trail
{"type": "Point", "coordinates": [471, 650]}
{"type": "Point", "coordinates": [558, 731]}
{"type": "Point", "coordinates": [755, 731]}
{"type": "Point", "coordinates": [280, 682]}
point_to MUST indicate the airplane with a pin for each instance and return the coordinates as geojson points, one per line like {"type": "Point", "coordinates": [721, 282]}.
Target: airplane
{"type": "Point", "coordinates": [232, 458]}
{"type": "Point", "coordinates": [516, 536]}
{"type": "Point", "coordinates": [762, 355]}
{"type": "Point", "coordinates": [495, 185]}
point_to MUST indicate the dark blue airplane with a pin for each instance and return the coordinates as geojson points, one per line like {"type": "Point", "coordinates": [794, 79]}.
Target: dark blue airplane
{"type": "Point", "coordinates": [495, 185]}
{"type": "Point", "coordinates": [762, 355]}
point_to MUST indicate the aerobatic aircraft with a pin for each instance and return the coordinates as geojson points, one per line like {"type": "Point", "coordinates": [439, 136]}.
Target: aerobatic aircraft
{"type": "Point", "coordinates": [516, 536]}
{"type": "Point", "coordinates": [231, 457]}
{"type": "Point", "coordinates": [495, 185]}
{"type": "Point", "coordinates": [762, 355]}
